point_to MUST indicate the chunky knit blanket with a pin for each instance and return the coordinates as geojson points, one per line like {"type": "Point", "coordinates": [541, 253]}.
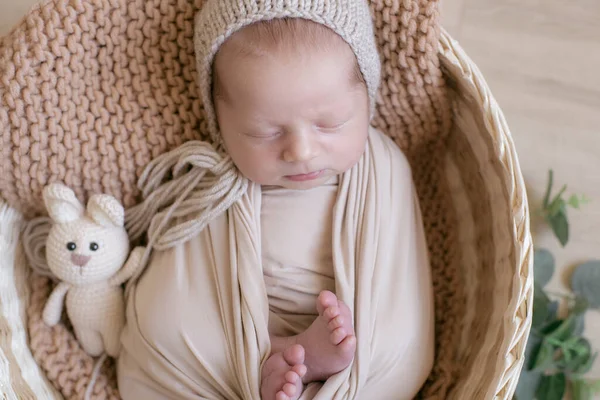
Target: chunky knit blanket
{"type": "Point", "coordinates": [92, 90]}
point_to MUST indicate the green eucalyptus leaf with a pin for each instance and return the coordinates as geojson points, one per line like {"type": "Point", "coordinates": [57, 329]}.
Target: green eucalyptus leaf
{"type": "Point", "coordinates": [560, 226]}
{"type": "Point", "coordinates": [552, 387]}
{"type": "Point", "coordinates": [581, 346]}
{"type": "Point", "coordinates": [557, 206]}
{"type": "Point", "coordinates": [579, 325]}
{"type": "Point", "coordinates": [580, 306]}
{"type": "Point", "coordinates": [528, 384]}
{"type": "Point", "coordinates": [564, 330]}
{"type": "Point", "coordinates": [551, 327]}
{"type": "Point", "coordinates": [581, 390]}
{"type": "Point", "coordinates": [579, 355]}
{"type": "Point", "coordinates": [531, 349]}
{"type": "Point", "coordinates": [585, 282]}
{"type": "Point", "coordinates": [586, 366]}
{"type": "Point", "coordinates": [574, 201]}
{"type": "Point", "coordinates": [544, 357]}
{"type": "Point", "coordinates": [541, 304]}
{"type": "Point", "coordinates": [552, 310]}
{"type": "Point", "coordinates": [566, 358]}
{"type": "Point", "coordinates": [543, 266]}
{"type": "Point", "coordinates": [572, 342]}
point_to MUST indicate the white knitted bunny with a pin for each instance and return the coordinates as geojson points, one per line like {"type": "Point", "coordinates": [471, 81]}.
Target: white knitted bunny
{"type": "Point", "coordinates": [86, 249]}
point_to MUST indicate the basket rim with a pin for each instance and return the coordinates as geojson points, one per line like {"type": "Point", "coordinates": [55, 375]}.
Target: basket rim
{"type": "Point", "coordinates": [518, 316]}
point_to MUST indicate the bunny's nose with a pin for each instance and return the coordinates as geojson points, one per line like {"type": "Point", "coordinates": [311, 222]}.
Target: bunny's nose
{"type": "Point", "coordinates": [79, 260]}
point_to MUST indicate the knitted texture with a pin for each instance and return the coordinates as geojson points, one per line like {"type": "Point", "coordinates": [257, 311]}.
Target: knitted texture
{"type": "Point", "coordinates": [92, 90]}
{"type": "Point", "coordinates": [219, 19]}
{"type": "Point", "coordinates": [84, 249]}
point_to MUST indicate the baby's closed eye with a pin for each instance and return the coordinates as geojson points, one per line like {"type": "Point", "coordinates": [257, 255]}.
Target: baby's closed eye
{"type": "Point", "coordinates": [263, 134]}
{"type": "Point", "coordinates": [333, 125]}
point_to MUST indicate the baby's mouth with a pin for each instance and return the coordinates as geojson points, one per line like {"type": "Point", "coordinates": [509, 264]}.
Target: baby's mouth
{"type": "Point", "coordinates": [306, 177]}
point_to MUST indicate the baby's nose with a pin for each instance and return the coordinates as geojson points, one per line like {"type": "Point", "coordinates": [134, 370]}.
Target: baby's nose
{"type": "Point", "coordinates": [79, 259]}
{"type": "Point", "coordinates": [300, 147]}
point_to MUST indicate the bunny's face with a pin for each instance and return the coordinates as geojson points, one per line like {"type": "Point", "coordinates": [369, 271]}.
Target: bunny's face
{"type": "Point", "coordinates": [84, 246]}
{"type": "Point", "coordinates": [82, 252]}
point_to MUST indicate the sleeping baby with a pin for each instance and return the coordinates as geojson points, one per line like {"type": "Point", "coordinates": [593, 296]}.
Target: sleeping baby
{"type": "Point", "coordinates": [314, 283]}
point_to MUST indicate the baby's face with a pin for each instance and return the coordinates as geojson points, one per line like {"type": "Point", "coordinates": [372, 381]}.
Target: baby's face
{"type": "Point", "coordinates": [292, 120]}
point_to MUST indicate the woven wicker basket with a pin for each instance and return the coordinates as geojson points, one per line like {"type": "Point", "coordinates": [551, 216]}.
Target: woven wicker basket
{"type": "Point", "coordinates": [496, 242]}
{"type": "Point", "coordinates": [494, 249]}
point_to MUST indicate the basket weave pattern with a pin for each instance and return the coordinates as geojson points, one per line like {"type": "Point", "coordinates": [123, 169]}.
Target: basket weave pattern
{"type": "Point", "coordinates": [92, 90]}
{"type": "Point", "coordinates": [500, 295]}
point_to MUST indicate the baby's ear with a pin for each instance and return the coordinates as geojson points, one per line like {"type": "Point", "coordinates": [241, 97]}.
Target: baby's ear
{"type": "Point", "coordinates": [106, 210]}
{"type": "Point", "coordinates": [62, 204]}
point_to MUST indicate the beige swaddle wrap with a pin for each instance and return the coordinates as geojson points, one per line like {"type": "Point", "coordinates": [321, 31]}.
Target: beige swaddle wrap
{"type": "Point", "coordinates": [198, 317]}
{"type": "Point", "coordinates": [297, 263]}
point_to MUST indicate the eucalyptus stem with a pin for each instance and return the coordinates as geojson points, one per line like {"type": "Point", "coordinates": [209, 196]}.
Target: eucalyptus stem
{"type": "Point", "coordinates": [548, 188]}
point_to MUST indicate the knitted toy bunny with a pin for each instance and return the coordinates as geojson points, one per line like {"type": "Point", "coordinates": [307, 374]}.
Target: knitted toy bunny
{"type": "Point", "coordinates": [86, 249]}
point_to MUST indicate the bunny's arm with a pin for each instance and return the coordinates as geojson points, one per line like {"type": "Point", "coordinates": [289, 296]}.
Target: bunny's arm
{"type": "Point", "coordinates": [131, 266]}
{"type": "Point", "coordinates": [54, 305]}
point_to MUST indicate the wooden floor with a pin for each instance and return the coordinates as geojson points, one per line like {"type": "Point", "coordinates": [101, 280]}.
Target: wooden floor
{"type": "Point", "coordinates": [541, 59]}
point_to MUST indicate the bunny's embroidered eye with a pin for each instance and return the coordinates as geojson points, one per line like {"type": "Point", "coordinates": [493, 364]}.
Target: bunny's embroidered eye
{"type": "Point", "coordinates": [94, 246]}
{"type": "Point", "coordinates": [71, 246]}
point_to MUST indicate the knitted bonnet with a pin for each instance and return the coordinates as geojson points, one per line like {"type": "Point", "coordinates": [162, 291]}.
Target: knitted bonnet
{"type": "Point", "coordinates": [219, 19]}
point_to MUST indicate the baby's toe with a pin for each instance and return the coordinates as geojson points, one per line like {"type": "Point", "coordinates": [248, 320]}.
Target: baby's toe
{"type": "Point", "coordinates": [294, 355]}
{"type": "Point", "coordinates": [336, 323]}
{"type": "Point", "coordinates": [299, 369]}
{"type": "Point", "coordinates": [325, 300]}
{"type": "Point", "coordinates": [291, 377]}
{"type": "Point", "coordinates": [337, 336]}
{"type": "Point", "coordinates": [331, 312]}
{"type": "Point", "coordinates": [281, 396]}
{"type": "Point", "coordinates": [290, 389]}
{"type": "Point", "coordinates": [348, 344]}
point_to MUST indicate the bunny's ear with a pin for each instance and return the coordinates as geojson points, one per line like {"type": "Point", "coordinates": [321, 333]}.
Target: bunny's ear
{"type": "Point", "coordinates": [62, 204]}
{"type": "Point", "coordinates": [106, 210]}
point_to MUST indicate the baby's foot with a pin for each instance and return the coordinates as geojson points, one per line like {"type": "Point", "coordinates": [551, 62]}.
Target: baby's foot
{"type": "Point", "coordinates": [329, 342]}
{"type": "Point", "coordinates": [282, 375]}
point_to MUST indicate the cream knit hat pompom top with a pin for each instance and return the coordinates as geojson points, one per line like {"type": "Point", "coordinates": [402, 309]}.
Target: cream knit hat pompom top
{"type": "Point", "coordinates": [219, 19]}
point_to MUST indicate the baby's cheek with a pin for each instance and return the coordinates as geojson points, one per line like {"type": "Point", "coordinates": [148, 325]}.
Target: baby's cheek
{"type": "Point", "coordinates": [349, 152]}
{"type": "Point", "coordinates": [256, 165]}
{"type": "Point", "coordinates": [350, 162]}
{"type": "Point", "coordinates": [258, 174]}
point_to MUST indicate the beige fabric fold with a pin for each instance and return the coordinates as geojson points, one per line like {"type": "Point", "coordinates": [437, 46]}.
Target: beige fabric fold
{"type": "Point", "coordinates": [297, 263]}
{"type": "Point", "coordinates": [198, 317]}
